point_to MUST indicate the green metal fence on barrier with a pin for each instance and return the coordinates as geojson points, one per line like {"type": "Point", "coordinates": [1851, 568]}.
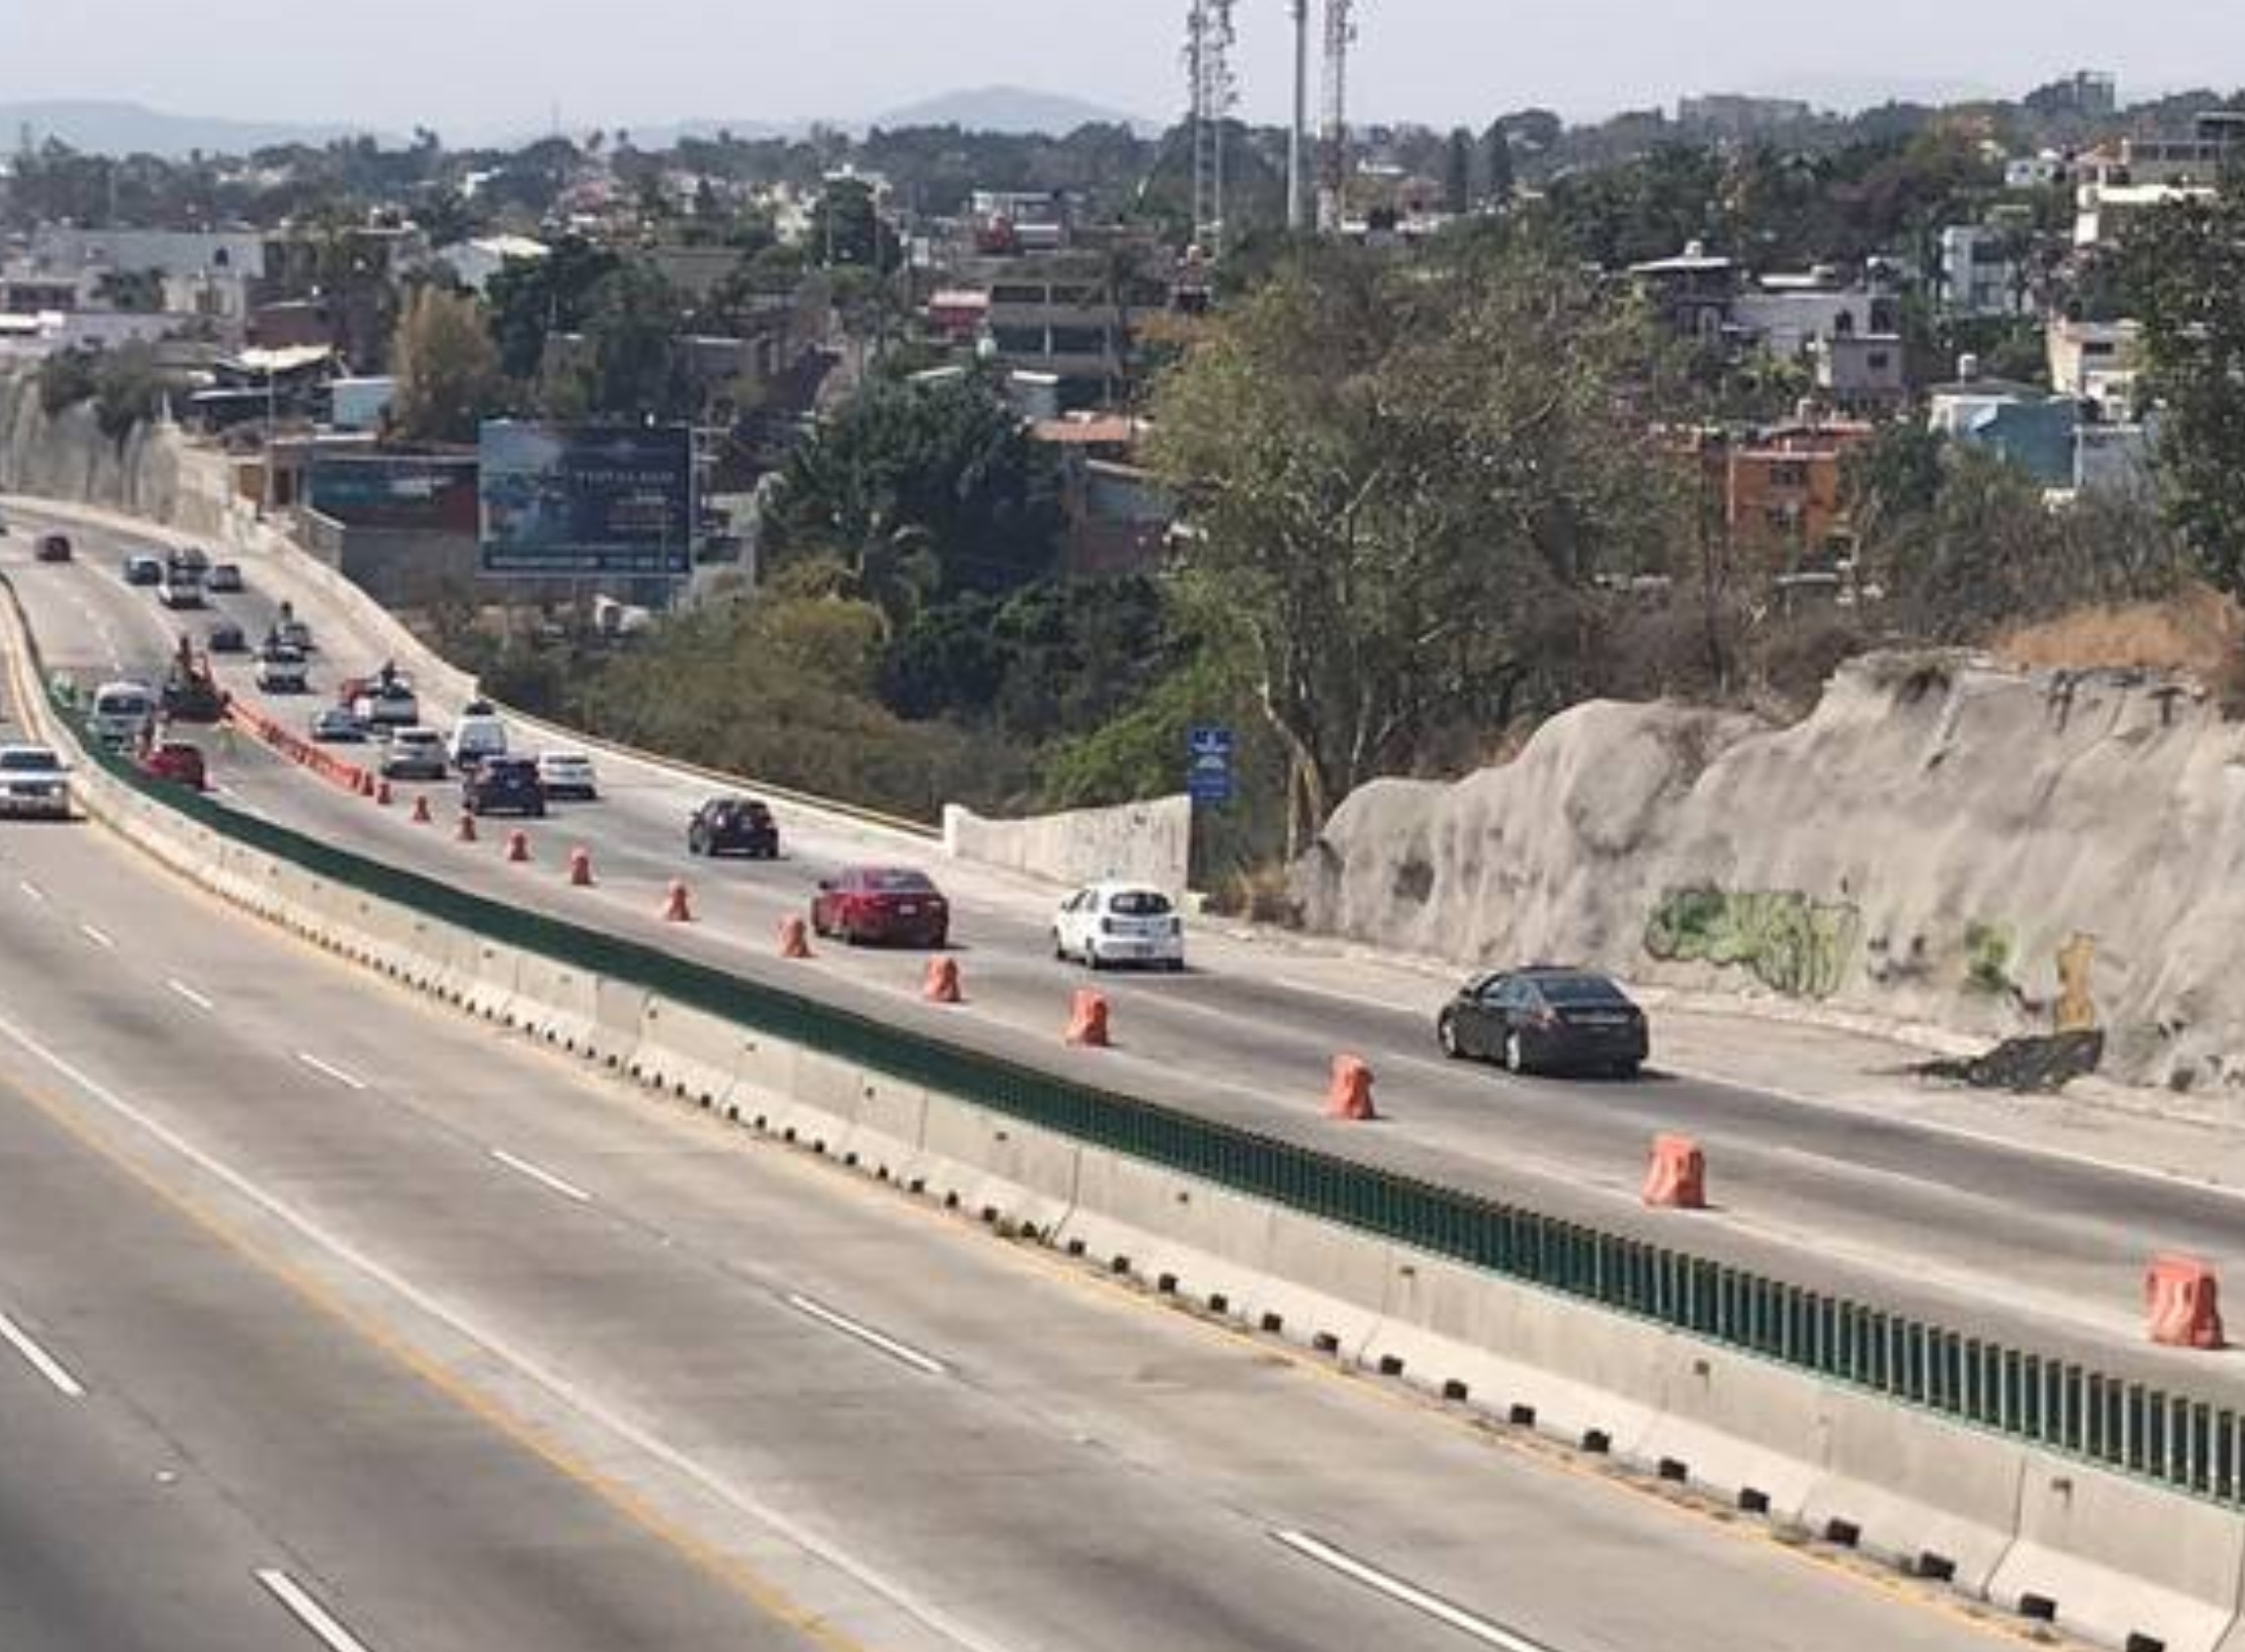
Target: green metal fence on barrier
{"type": "Point", "coordinates": [2181, 1443]}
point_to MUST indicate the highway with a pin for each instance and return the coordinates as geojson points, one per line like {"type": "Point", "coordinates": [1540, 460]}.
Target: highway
{"type": "Point", "coordinates": [2001, 1240]}
{"type": "Point", "coordinates": [324, 1307]}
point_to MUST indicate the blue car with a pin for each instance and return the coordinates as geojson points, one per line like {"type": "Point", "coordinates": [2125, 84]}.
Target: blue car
{"type": "Point", "coordinates": [504, 785]}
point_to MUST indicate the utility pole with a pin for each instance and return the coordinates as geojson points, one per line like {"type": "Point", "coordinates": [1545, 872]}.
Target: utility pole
{"type": "Point", "coordinates": [1297, 136]}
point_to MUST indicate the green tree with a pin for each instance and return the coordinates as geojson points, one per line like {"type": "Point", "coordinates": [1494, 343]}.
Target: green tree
{"type": "Point", "coordinates": [1458, 173]}
{"type": "Point", "coordinates": [631, 336]}
{"type": "Point", "coordinates": [1497, 176]}
{"type": "Point", "coordinates": [2186, 269]}
{"type": "Point", "coordinates": [939, 478]}
{"type": "Point", "coordinates": [848, 231]}
{"type": "Point", "coordinates": [446, 368]}
{"type": "Point", "coordinates": [1399, 482]}
{"type": "Point", "coordinates": [531, 299]}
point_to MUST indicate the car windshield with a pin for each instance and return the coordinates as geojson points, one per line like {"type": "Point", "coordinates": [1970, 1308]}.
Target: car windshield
{"type": "Point", "coordinates": [1567, 991]}
{"type": "Point", "coordinates": [896, 882]}
{"type": "Point", "coordinates": [27, 762]}
{"type": "Point", "coordinates": [1139, 903]}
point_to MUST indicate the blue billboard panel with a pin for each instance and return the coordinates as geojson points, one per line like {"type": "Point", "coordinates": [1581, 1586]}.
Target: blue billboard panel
{"type": "Point", "coordinates": [583, 500]}
{"type": "Point", "coordinates": [1208, 766]}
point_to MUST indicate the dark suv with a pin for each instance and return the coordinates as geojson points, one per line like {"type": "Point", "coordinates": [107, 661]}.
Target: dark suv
{"type": "Point", "coordinates": [734, 826]}
{"type": "Point", "coordinates": [504, 785]}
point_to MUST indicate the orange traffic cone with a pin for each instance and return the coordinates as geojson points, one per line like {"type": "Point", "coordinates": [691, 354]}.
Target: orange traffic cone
{"type": "Point", "coordinates": [942, 985]}
{"type": "Point", "coordinates": [1088, 1024]}
{"type": "Point", "coordinates": [581, 868]}
{"type": "Point", "coordinates": [794, 938]}
{"type": "Point", "coordinates": [676, 910]}
{"type": "Point", "coordinates": [466, 832]}
{"type": "Point", "coordinates": [1350, 1095]}
{"type": "Point", "coordinates": [421, 814]}
{"type": "Point", "coordinates": [518, 846]}
{"type": "Point", "coordinates": [382, 794]}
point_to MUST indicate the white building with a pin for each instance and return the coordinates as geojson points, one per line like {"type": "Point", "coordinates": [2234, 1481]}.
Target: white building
{"type": "Point", "coordinates": [1790, 314]}
{"type": "Point", "coordinates": [2095, 360]}
{"type": "Point", "coordinates": [474, 262]}
{"type": "Point", "coordinates": [2103, 212]}
{"type": "Point", "coordinates": [1977, 274]}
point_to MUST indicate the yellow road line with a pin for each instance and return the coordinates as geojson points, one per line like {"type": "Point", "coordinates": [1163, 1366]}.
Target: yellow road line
{"type": "Point", "coordinates": [733, 1574]}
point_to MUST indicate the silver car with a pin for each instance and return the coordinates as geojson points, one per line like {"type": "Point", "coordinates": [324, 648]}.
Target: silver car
{"type": "Point", "coordinates": [33, 785]}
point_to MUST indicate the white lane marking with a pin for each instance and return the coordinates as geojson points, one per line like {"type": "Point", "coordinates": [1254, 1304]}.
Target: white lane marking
{"type": "Point", "coordinates": [38, 1359]}
{"type": "Point", "coordinates": [194, 997]}
{"type": "Point", "coordinates": [309, 1612]}
{"type": "Point", "coordinates": [98, 937]}
{"type": "Point", "coordinates": [523, 1167]}
{"type": "Point", "coordinates": [31, 892]}
{"type": "Point", "coordinates": [349, 1081]}
{"type": "Point", "coordinates": [1406, 1594]}
{"type": "Point", "coordinates": [904, 1353]}
{"type": "Point", "coordinates": [555, 1381]}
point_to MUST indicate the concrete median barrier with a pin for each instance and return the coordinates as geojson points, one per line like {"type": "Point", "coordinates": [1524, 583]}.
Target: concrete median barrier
{"type": "Point", "coordinates": [692, 1056]}
{"type": "Point", "coordinates": [1900, 1484]}
{"type": "Point", "coordinates": [2123, 1563]}
{"type": "Point", "coordinates": [997, 1164]}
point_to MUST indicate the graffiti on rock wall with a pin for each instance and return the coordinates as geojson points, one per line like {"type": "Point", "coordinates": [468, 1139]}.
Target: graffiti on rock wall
{"type": "Point", "coordinates": [1790, 944]}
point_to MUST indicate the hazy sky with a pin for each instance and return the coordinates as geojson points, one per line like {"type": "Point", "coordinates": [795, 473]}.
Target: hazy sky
{"type": "Point", "coordinates": [470, 67]}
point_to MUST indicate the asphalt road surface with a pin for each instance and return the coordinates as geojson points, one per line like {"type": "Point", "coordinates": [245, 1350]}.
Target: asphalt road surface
{"type": "Point", "coordinates": [2000, 1240]}
{"type": "Point", "coordinates": [330, 1308]}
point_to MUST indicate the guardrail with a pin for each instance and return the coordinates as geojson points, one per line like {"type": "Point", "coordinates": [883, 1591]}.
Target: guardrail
{"type": "Point", "coordinates": [2176, 1441]}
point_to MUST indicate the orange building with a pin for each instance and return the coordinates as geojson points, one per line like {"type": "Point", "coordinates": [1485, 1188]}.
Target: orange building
{"type": "Point", "coordinates": [1781, 490]}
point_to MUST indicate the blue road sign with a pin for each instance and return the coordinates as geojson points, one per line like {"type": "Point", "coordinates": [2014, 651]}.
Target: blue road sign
{"type": "Point", "coordinates": [1208, 765]}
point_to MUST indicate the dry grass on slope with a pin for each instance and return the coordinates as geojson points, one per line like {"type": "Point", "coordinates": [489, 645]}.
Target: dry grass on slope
{"type": "Point", "coordinates": [2197, 633]}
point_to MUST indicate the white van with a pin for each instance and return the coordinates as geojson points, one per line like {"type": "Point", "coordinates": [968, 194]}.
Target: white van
{"type": "Point", "coordinates": [121, 709]}
{"type": "Point", "coordinates": [475, 736]}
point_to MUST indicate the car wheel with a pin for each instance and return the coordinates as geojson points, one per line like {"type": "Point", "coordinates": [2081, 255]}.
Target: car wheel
{"type": "Point", "coordinates": [1627, 1070]}
{"type": "Point", "coordinates": [1446, 1034]}
{"type": "Point", "coordinates": [1059, 949]}
{"type": "Point", "coordinates": [537, 812]}
{"type": "Point", "coordinates": [1515, 1057]}
{"type": "Point", "coordinates": [1174, 966]}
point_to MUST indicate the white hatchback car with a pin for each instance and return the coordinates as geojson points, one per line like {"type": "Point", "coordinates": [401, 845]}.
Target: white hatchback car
{"type": "Point", "coordinates": [1115, 922]}
{"type": "Point", "coordinates": [569, 773]}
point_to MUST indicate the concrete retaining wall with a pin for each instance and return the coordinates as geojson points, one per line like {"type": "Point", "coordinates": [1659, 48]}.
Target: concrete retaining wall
{"type": "Point", "coordinates": [1146, 843]}
{"type": "Point", "coordinates": [2108, 1558]}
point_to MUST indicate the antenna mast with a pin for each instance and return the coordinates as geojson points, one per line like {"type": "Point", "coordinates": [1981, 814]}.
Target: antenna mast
{"type": "Point", "coordinates": [1209, 38]}
{"type": "Point", "coordinates": [1333, 139]}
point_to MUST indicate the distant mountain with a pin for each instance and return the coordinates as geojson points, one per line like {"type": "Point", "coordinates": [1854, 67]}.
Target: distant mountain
{"type": "Point", "coordinates": [1005, 109]}
{"type": "Point", "coordinates": [120, 128]}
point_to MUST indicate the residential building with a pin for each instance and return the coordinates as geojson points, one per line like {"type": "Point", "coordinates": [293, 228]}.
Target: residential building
{"type": "Point", "coordinates": [1012, 221]}
{"type": "Point", "coordinates": [474, 262]}
{"type": "Point", "coordinates": [2215, 136]}
{"type": "Point", "coordinates": [174, 253]}
{"type": "Point", "coordinates": [1980, 274]}
{"type": "Point", "coordinates": [1058, 313]}
{"type": "Point", "coordinates": [2095, 360]}
{"type": "Point", "coordinates": [2104, 211]}
{"type": "Point", "coordinates": [2022, 424]}
{"type": "Point", "coordinates": [2047, 170]}
{"type": "Point", "coordinates": [1118, 516]}
{"type": "Point", "coordinates": [1790, 314]}
{"type": "Point", "coordinates": [1782, 489]}
{"type": "Point", "coordinates": [2116, 455]}
{"type": "Point", "coordinates": [958, 315]}
{"type": "Point", "coordinates": [1691, 292]}
{"type": "Point", "coordinates": [1862, 372]}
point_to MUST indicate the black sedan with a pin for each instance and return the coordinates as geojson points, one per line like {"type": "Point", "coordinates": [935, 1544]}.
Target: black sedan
{"type": "Point", "coordinates": [504, 785]}
{"type": "Point", "coordinates": [1544, 1019]}
{"type": "Point", "coordinates": [734, 826]}
{"type": "Point", "coordinates": [227, 637]}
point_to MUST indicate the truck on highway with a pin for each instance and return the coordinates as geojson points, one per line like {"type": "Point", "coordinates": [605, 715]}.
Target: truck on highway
{"type": "Point", "coordinates": [385, 700]}
{"type": "Point", "coordinates": [181, 585]}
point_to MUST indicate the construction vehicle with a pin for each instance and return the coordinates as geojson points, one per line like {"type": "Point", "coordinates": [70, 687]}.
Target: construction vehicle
{"type": "Point", "coordinates": [191, 692]}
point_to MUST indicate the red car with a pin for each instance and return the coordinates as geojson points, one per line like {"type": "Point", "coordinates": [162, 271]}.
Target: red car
{"type": "Point", "coordinates": [881, 904]}
{"type": "Point", "coordinates": [176, 761]}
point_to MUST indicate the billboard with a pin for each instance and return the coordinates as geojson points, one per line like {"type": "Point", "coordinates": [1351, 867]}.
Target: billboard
{"type": "Point", "coordinates": [408, 491]}
{"type": "Point", "coordinates": [576, 501]}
